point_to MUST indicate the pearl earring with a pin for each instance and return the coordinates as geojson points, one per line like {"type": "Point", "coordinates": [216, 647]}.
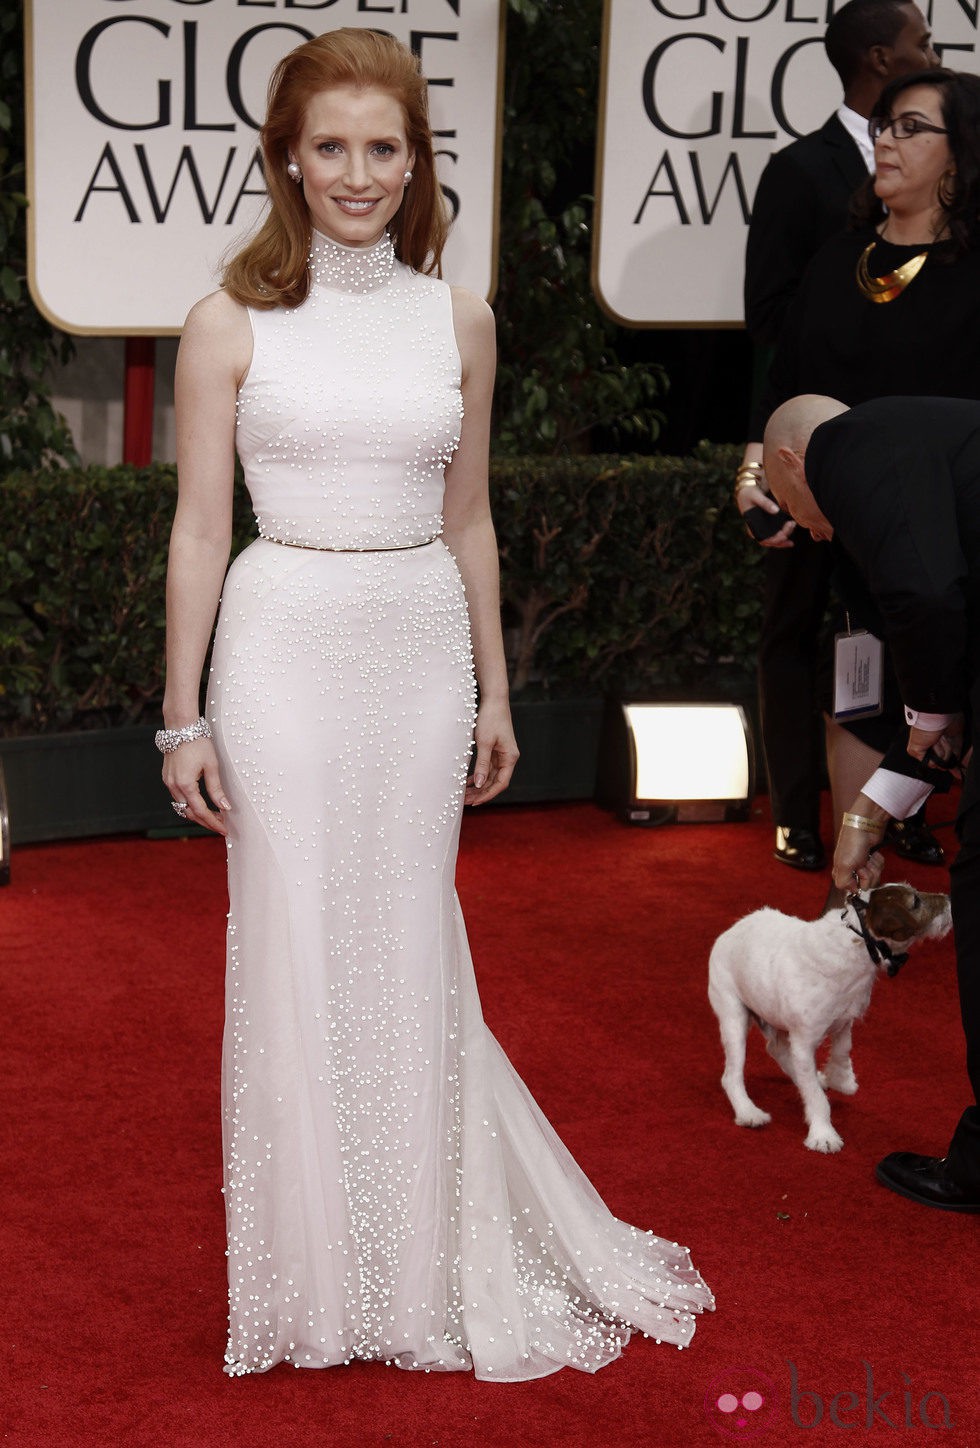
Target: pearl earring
{"type": "Point", "coordinates": [407, 177]}
{"type": "Point", "coordinates": [294, 172]}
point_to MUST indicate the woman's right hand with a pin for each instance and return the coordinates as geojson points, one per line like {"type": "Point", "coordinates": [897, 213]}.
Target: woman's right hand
{"type": "Point", "coordinates": [751, 492]}
{"type": "Point", "coordinates": [183, 769]}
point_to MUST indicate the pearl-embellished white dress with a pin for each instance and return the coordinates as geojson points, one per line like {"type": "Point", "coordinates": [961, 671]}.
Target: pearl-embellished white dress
{"type": "Point", "coordinates": [392, 1191]}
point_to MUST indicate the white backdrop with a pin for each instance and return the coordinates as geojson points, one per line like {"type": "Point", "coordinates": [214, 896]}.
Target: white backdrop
{"type": "Point", "coordinates": [697, 94]}
{"type": "Point", "coordinates": [142, 118]}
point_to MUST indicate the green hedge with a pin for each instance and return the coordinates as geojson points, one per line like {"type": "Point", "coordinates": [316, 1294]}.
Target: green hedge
{"type": "Point", "coordinates": [629, 573]}
{"type": "Point", "coordinates": [84, 559]}
{"type": "Point", "coordinates": [626, 572]}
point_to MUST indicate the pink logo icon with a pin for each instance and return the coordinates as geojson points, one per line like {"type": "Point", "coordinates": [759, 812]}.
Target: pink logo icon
{"type": "Point", "coordinates": [740, 1402]}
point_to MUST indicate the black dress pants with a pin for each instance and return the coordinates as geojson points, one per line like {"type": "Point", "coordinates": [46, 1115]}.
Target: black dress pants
{"type": "Point", "coordinates": [797, 590]}
{"type": "Point", "coordinates": [964, 1149]}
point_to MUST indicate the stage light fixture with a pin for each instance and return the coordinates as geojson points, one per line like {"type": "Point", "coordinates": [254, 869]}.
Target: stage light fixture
{"type": "Point", "coordinates": [665, 762]}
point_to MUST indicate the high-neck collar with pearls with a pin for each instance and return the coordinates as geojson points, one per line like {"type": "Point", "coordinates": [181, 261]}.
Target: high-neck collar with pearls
{"type": "Point", "coordinates": [351, 269]}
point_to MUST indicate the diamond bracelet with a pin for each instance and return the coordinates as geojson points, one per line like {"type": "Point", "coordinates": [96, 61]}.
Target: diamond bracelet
{"type": "Point", "coordinates": [167, 740]}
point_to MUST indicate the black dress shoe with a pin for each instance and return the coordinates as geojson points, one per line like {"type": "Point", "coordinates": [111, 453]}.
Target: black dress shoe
{"type": "Point", "coordinates": [913, 840]}
{"type": "Point", "coordinates": [799, 848]}
{"type": "Point", "coordinates": [925, 1179]}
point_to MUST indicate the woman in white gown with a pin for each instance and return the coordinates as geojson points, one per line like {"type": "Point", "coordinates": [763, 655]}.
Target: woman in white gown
{"type": "Point", "coordinates": [392, 1191]}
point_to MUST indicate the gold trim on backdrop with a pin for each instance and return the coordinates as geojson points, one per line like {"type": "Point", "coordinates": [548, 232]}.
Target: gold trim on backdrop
{"type": "Point", "coordinates": [72, 328]}
{"type": "Point", "coordinates": [629, 322]}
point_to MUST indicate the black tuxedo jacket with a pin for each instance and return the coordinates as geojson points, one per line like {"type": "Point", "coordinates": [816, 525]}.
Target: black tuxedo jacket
{"type": "Point", "coordinates": [802, 199]}
{"type": "Point", "coordinates": [899, 479]}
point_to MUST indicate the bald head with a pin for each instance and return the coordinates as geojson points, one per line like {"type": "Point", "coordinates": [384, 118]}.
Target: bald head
{"type": "Point", "coordinates": [792, 424]}
{"type": "Point", "coordinates": [787, 435]}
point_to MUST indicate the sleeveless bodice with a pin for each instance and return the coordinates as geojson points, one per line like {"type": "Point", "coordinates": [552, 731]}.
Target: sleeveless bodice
{"type": "Point", "coordinates": [351, 408]}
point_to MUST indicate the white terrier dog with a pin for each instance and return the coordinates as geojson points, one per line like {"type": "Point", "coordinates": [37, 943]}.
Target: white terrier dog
{"type": "Point", "coordinates": [802, 981]}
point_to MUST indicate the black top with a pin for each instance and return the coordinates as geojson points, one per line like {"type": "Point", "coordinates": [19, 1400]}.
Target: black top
{"type": "Point", "coordinates": [801, 201]}
{"type": "Point", "coordinates": [925, 343]}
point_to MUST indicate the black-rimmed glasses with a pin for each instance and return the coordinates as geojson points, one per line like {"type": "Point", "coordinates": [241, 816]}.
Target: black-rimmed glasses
{"type": "Point", "coordinates": [901, 127]}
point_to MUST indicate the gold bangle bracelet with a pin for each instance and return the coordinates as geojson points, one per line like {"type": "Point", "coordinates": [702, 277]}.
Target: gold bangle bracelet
{"type": "Point", "coordinates": [861, 822]}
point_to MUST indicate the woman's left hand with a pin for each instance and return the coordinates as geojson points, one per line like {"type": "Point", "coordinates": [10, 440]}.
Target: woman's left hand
{"type": "Point", "coordinates": [496, 754]}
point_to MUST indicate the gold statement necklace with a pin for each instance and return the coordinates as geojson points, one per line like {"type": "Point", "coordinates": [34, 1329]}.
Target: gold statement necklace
{"type": "Point", "coordinates": [893, 283]}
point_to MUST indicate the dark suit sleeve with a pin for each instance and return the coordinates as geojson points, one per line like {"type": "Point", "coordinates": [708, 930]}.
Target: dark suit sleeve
{"type": "Point", "coordinates": [782, 378]}
{"type": "Point", "coordinates": [802, 199]}
{"type": "Point", "coordinates": [892, 501]}
{"type": "Point", "coordinates": [898, 760]}
{"type": "Point", "coordinates": [788, 223]}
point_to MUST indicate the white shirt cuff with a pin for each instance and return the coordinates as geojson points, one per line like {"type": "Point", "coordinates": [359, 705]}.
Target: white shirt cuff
{"type": "Point", "coordinates": [916, 719]}
{"type": "Point", "coordinates": [899, 794]}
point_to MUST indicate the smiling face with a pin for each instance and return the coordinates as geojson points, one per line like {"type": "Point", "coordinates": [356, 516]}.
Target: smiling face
{"type": "Point", "coordinates": [353, 153]}
{"type": "Point", "coordinates": [908, 171]}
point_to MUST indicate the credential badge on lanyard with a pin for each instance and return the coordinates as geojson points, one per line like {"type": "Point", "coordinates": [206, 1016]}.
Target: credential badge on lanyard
{"type": "Point", "coordinates": [857, 674]}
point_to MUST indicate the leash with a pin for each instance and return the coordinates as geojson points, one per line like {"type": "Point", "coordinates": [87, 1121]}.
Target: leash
{"type": "Point", "coordinates": [878, 950]}
{"type": "Point", "coordinates": [947, 771]}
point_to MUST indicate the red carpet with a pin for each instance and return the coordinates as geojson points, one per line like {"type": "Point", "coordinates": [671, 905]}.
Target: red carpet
{"type": "Point", "coordinates": [591, 943]}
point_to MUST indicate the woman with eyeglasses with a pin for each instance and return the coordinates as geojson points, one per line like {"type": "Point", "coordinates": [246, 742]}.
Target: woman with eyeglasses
{"type": "Point", "coordinates": [890, 308]}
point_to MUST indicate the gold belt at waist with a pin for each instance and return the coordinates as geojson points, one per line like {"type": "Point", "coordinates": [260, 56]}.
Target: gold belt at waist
{"type": "Point", "coordinates": [323, 548]}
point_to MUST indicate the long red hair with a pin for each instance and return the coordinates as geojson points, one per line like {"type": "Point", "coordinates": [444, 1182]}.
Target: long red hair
{"type": "Point", "coordinates": [272, 269]}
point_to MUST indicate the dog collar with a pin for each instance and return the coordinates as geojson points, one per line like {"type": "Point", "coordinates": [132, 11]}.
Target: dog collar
{"type": "Point", "coordinates": [878, 950]}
